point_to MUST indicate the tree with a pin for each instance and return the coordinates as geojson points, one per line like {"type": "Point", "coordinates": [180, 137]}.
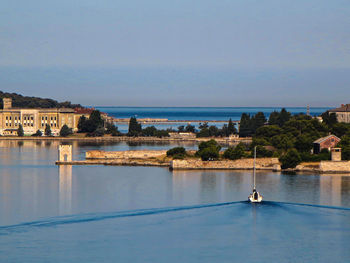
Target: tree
{"type": "Point", "coordinates": [149, 131]}
{"type": "Point", "coordinates": [135, 128]}
{"type": "Point", "coordinates": [339, 129]}
{"type": "Point", "coordinates": [181, 128]}
{"type": "Point", "coordinates": [245, 126]}
{"type": "Point", "coordinates": [291, 159]}
{"type": "Point", "coordinates": [304, 143]}
{"type": "Point", "coordinates": [231, 129]}
{"type": "Point", "coordinates": [82, 124]}
{"type": "Point", "coordinates": [38, 133]}
{"type": "Point", "coordinates": [235, 153]}
{"type": "Point", "coordinates": [283, 141]}
{"type": "Point", "coordinates": [267, 132]}
{"type": "Point", "coordinates": [329, 118]}
{"type": "Point", "coordinates": [208, 150]}
{"type": "Point", "coordinates": [47, 130]}
{"type": "Point", "coordinates": [95, 119]}
{"type": "Point", "coordinates": [284, 116]}
{"type": "Point", "coordinates": [20, 131]}
{"type": "Point", "coordinates": [258, 121]}
{"type": "Point", "coordinates": [190, 128]}
{"type": "Point", "coordinates": [177, 151]}
{"type": "Point", "coordinates": [261, 151]}
{"type": "Point", "coordinates": [65, 131]}
{"type": "Point", "coordinates": [111, 128]}
{"type": "Point", "coordinates": [274, 118]}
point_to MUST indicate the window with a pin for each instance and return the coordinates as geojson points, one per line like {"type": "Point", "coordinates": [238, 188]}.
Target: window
{"type": "Point", "coordinates": [7, 117]}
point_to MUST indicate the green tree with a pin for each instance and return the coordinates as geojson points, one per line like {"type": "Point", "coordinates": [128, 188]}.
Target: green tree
{"type": "Point", "coordinates": [267, 132]}
{"type": "Point", "coordinates": [340, 129]}
{"type": "Point", "coordinates": [261, 151]}
{"type": "Point", "coordinates": [284, 116]}
{"type": "Point", "coordinates": [274, 118]}
{"type": "Point", "coordinates": [181, 128]}
{"type": "Point", "coordinates": [235, 153]}
{"type": "Point", "coordinates": [231, 127]}
{"type": "Point", "coordinates": [283, 141]}
{"type": "Point", "coordinates": [245, 128]}
{"type": "Point", "coordinates": [149, 131]}
{"type": "Point", "coordinates": [176, 151]}
{"type": "Point", "coordinates": [208, 150]}
{"type": "Point", "coordinates": [38, 133]}
{"type": "Point", "coordinates": [329, 118]}
{"type": "Point", "coordinates": [135, 128]}
{"type": "Point", "coordinates": [190, 128]}
{"type": "Point", "coordinates": [82, 124]}
{"type": "Point", "coordinates": [20, 131]}
{"type": "Point", "coordinates": [65, 131]}
{"type": "Point", "coordinates": [304, 143]}
{"type": "Point", "coordinates": [291, 159]}
{"type": "Point", "coordinates": [47, 130]}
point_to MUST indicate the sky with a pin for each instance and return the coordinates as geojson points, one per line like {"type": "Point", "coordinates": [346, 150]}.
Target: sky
{"type": "Point", "coordinates": [177, 53]}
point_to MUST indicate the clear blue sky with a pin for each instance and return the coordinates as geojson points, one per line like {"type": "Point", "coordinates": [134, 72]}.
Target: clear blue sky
{"type": "Point", "coordinates": [179, 52]}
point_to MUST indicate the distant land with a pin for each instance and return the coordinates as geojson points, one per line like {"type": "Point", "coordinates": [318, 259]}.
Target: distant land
{"type": "Point", "coordinates": [34, 102]}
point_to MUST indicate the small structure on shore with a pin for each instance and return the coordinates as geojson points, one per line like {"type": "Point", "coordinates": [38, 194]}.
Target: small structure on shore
{"type": "Point", "coordinates": [327, 142]}
{"type": "Point", "coordinates": [336, 154]}
{"type": "Point", "coordinates": [65, 153]}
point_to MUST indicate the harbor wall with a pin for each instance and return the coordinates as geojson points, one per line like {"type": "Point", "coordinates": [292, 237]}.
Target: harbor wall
{"type": "Point", "coordinates": [139, 154]}
{"type": "Point", "coordinates": [335, 166]}
{"type": "Point", "coordinates": [261, 164]}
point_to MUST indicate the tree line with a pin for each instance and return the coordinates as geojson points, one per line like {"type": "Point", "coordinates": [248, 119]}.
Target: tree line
{"type": "Point", "coordinates": [34, 102]}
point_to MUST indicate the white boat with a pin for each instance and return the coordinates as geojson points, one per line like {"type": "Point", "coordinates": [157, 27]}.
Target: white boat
{"type": "Point", "coordinates": [255, 196]}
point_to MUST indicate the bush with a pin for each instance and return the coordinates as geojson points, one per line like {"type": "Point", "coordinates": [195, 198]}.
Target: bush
{"type": "Point", "coordinates": [20, 131]}
{"type": "Point", "coordinates": [209, 154]}
{"type": "Point", "coordinates": [38, 133]}
{"type": "Point", "coordinates": [208, 150]}
{"type": "Point", "coordinates": [291, 159]}
{"type": "Point", "coordinates": [65, 131]}
{"type": "Point", "coordinates": [179, 156]}
{"type": "Point", "coordinates": [47, 130]}
{"type": "Point", "coordinates": [308, 157]}
{"type": "Point", "coordinates": [235, 153]}
{"type": "Point", "coordinates": [176, 151]}
{"type": "Point", "coordinates": [261, 151]}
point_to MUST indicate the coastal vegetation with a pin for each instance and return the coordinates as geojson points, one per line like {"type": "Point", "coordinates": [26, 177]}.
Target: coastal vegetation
{"type": "Point", "coordinates": [35, 102]}
{"type": "Point", "coordinates": [212, 131]}
{"type": "Point", "coordinates": [177, 153]}
{"type": "Point", "coordinates": [209, 150]}
{"type": "Point", "coordinates": [65, 131]}
{"type": "Point", "coordinates": [291, 137]}
{"type": "Point", "coordinates": [20, 131]}
{"type": "Point", "coordinates": [135, 130]}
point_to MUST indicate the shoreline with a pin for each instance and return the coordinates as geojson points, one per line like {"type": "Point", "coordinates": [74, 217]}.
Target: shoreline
{"type": "Point", "coordinates": [126, 139]}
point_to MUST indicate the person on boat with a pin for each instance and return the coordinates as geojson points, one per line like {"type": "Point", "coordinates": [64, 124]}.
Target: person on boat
{"type": "Point", "coordinates": [255, 194]}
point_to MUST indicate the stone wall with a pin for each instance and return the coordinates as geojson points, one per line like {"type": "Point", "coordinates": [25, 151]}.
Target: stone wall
{"type": "Point", "coordinates": [335, 167]}
{"type": "Point", "coordinates": [141, 154]}
{"type": "Point", "coordinates": [261, 164]}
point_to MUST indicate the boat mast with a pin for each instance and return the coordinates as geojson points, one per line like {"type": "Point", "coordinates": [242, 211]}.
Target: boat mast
{"type": "Point", "coordinates": [254, 168]}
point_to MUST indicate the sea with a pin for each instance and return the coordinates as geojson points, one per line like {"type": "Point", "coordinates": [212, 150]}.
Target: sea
{"type": "Point", "coordinates": [51, 213]}
{"type": "Point", "coordinates": [187, 115]}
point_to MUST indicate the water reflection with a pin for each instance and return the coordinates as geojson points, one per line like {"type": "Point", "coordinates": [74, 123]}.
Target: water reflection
{"type": "Point", "coordinates": [65, 189]}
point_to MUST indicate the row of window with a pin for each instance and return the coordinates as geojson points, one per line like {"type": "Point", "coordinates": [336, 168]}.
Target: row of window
{"type": "Point", "coordinates": [30, 118]}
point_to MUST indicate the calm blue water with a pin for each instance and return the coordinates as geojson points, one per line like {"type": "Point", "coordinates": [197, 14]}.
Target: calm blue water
{"type": "Point", "coordinates": [149, 214]}
{"type": "Point", "coordinates": [198, 113]}
{"type": "Point", "coordinates": [183, 115]}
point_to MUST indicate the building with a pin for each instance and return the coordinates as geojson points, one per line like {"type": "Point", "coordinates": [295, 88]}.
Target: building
{"type": "Point", "coordinates": [36, 119]}
{"type": "Point", "coordinates": [342, 113]}
{"type": "Point", "coordinates": [327, 142]}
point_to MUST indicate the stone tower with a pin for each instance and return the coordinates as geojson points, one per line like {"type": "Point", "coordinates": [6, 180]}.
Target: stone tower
{"type": "Point", "coordinates": [7, 103]}
{"type": "Point", "coordinates": [65, 153]}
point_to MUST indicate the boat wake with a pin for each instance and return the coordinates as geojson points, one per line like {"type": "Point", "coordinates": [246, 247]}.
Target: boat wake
{"type": "Point", "coordinates": [92, 217]}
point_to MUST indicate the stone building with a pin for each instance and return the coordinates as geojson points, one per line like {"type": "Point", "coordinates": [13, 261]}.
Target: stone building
{"type": "Point", "coordinates": [36, 119]}
{"type": "Point", "coordinates": [342, 113]}
{"type": "Point", "coordinates": [327, 142]}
